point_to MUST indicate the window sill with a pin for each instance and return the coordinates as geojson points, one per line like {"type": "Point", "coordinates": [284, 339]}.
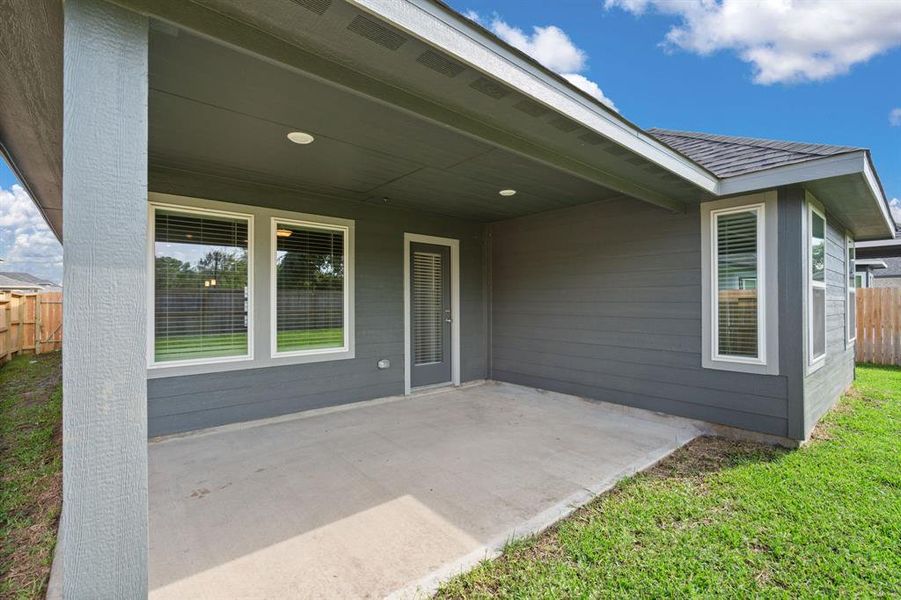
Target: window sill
{"type": "Point", "coordinates": [160, 372]}
{"type": "Point", "coordinates": [740, 366]}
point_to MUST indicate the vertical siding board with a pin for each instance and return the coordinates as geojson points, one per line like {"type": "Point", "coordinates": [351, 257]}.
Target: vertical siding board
{"type": "Point", "coordinates": [104, 530]}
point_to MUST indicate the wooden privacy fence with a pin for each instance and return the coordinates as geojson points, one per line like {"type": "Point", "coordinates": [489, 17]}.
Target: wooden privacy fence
{"type": "Point", "coordinates": [879, 325]}
{"type": "Point", "coordinates": [30, 323]}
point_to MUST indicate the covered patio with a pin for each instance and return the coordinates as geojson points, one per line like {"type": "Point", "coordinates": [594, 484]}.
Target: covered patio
{"type": "Point", "coordinates": [386, 497]}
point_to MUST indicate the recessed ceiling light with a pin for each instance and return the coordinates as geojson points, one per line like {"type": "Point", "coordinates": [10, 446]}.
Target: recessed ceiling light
{"type": "Point", "coordinates": [507, 192]}
{"type": "Point", "coordinates": [300, 137]}
{"type": "Point", "coordinates": [283, 232]}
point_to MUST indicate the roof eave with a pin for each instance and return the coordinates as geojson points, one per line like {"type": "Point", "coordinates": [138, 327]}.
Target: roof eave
{"type": "Point", "coordinates": [440, 26]}
{"type": "Point", "coordinates": [850, 164]}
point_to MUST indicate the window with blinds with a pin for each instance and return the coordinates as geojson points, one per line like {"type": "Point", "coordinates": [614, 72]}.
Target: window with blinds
{"type": "Point", "coordinates": [737, 270]}
{"type": "Point", "coordinates": [428, 314]}
{"type": "Point", "coordinates": [816, 259]}
{"type": "Point", "coordinates": [200, 285]}
{"type": "Point", "coordinates": [310, 299]}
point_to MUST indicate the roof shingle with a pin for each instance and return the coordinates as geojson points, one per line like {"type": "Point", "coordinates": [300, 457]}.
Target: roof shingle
{"type": "Point", "coordinates": [727, 156]}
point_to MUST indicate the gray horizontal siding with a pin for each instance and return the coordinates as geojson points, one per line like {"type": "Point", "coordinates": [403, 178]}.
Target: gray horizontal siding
{"type": "Point", "coordinates": [604, 301]}
{"type": "Point", "coordinates": [823, 387]}
{"type": "Point", "coordinates": [177, 404]}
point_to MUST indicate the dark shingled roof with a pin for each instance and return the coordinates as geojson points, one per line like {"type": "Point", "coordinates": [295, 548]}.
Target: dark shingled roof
{"type": "Point", "coordinates": [727, 156]}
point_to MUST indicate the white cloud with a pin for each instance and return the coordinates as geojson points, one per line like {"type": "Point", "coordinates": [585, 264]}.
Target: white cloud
{"type": "Point", "coordinates": [26, 242]}
{"type": "Point", "coordinates": [785, 41]}
{"type": "Point", "coordinates": [894, 117]}
{"type": "Point", "coordinates": [472, 16]}
{"type": "Point", "coordinates": [895, 205]}
{"type": "Point", "coordinates": [590, 87]}
{"type": "Point", "coordinates": [553, 48]}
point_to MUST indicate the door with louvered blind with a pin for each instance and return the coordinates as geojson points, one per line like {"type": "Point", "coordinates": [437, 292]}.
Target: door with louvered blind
{"type": "Point", "coordinates": [430, 315]}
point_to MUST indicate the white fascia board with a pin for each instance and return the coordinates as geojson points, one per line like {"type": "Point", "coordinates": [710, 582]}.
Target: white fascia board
{"type": "Point", "coordinates": [879, 243]}
{"type": "Point", "coordinates": [831, 166]}
{"type": "Point", "coordinates": [454, 35]}
{"type": "Point", "coordinates": [873, 183]}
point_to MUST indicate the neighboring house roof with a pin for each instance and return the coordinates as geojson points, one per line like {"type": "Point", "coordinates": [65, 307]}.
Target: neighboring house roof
{"type": "Point", "coordinates": [881, 248]}
{"type": "Point", "coordinates": [870, 263]}
{"type": "Point", "coordinates": [727, 156]}
{"type": "Point", "coordinates": [15, 279]}
{"type": "Point", "coordinates": [892, 268]}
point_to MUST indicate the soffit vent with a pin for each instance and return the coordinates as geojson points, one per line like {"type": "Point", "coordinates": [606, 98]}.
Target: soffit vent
{"type": "Point", "coordinates": [563, 124]}
{"type": "Point", "coordinates": [440, 63]}
{"type": "Point", "coordinates": [592, 138]}
{"type": "Point", "coordinates": [376, 32]}
{"type": "Point", "coordinates": [317, 6]}
{"type": "Point", "coordinates": [489, 87]}
{"type": "Point", "coordinates": [533, 109]}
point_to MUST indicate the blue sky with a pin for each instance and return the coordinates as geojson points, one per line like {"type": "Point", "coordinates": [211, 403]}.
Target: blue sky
{"type": "Point", "coordinates": [824, 71]}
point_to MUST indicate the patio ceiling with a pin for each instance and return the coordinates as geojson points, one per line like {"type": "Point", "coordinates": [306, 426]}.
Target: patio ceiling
{"type": "Point", "coordinates": [216, 110]}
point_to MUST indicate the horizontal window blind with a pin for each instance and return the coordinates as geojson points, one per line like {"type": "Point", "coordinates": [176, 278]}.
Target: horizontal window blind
{"type": "Point", "coordinates": [736, 280]}
{"type": "Point", "coordinates": [310, 266]}
{"type": "Point", "coordinates": [200, 286]}
{"type": "Point", "coordinates": [428, 317]}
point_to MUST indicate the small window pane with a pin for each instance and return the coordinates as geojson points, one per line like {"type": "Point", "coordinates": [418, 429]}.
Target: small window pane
{"type": "Point", "coordinates": [852, 260]}
{"type": "Point", "coordinates": [200, 286]}
{"type": "Point", "coordinates": [736, 261]}
{"type": "Point", "coordinates": [310, 287]}
{"type": "Point", "coordinates": [852, 313]}
{"type": "Point", "coordinates": [818, 326]}
{"type": "Point", "coordinates": [817, 247]}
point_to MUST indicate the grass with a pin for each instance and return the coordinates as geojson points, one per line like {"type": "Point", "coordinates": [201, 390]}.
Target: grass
{"type": "Point", "coordinates": [733, 519]}
{"type": "Point", "coordinates": [30, 472]}
{"type": "Point", "coordinates": [235, 344]}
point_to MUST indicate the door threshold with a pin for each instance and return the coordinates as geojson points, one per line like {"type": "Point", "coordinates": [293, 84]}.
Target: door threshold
{"type": "Point", "coordinates": [434, 387]}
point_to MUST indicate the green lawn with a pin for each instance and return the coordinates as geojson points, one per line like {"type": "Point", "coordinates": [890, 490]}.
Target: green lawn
{"type": "Point", "coordinates": [30, 472]}
{"type": "Point", "coordinates": [219, 345]}
{"type": "Point", "coordinates": [733, 520]}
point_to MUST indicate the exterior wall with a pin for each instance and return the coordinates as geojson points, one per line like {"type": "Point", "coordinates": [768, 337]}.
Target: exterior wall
{"type": "Point", "coordinates": [824, 386]}
{"type": "Point", "coordinates": [604, 301]}
{"type": "Point", "coordinates": [189, 402]}
{"type": "Point", "coordinates": [892, 282]}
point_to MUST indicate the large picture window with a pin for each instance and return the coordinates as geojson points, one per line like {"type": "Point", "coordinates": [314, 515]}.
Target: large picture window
{"type": "Point", "coordinates": [310, 291]}
{"type": "Point", "coordinates": [201, 285]}
{"type": "Point", "coordinates": [816, 291]}
{"type": "Point", "coordinates": [737, 255]}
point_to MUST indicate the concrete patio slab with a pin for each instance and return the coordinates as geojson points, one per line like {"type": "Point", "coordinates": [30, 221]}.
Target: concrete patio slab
{"type": "Point", "coordinates": [388, 498]}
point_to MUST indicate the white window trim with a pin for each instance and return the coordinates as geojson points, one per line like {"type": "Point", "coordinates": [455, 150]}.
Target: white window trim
{"type": "Point", "coordinates": [813, 207]}
{"type": "Point", "coordinates": [151, 286]}
{"type": "Point", "coordinates": [767, 361]}
{"type": "Point", "coordinates": [273, 289]}
{"type": "Point", "coordinates": [259, 317]}
{"type": "Point", "coordinates": [759, 209]}
{"type": "Point", "coordinates": [850, 288]}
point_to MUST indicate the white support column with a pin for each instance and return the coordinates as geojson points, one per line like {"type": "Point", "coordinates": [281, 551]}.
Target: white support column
{"type": "Point", "coordinates": [104, 521]}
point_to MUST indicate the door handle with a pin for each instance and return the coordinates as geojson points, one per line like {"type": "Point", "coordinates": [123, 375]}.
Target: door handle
{"type": "Point", "coordinates": [448, 320]}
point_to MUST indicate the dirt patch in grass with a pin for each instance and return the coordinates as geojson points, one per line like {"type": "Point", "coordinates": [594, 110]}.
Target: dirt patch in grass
{"type": "Point", "coordinates": [30, 473]}
{"type": "Point", "coordinates": [709, 454]}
